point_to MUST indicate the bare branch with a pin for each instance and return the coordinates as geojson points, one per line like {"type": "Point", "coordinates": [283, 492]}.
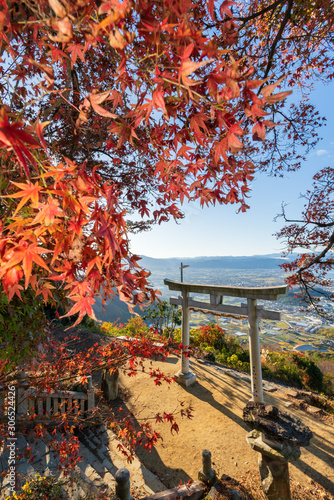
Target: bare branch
{"type": "Point", "coordinates": [261, 12]}
{"type": "Point", "coordinates": [318, 258]}
{"type": "Point", "coordinates": [278, 37]}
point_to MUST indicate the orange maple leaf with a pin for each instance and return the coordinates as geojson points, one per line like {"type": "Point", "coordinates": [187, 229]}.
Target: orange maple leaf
{"type": "Point", "coordinates": [188, 67]}
{"type": "Point", "coordinates": [83, 306]}
{"type": "Point", "coordinates": [49, 211]}
{"type": "Point", "coordinates": [46, 291]}
{"type": "Point", "coordinates": [28, 191]}
{"type": "Point", "coordinates": [76, 51]}
{"type": "Point", "coordinates": [15, 289]}
{"type": "Point", "coordinates": [96, 99]}
{"type": "Point", "coordinates": [259, 132]}
{"type": "Point", "coordinates": [27, 254]}
{"type": "Point", "coordinates": [107, 231]}
{"type": "Point", "coordinates": [30, 254]}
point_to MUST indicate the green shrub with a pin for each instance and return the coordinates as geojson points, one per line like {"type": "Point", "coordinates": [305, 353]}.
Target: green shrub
{"type": "Point", "coordinates": [328, 385]}
{"type": "Point", "coordinates": [313, 376]}
{"type": "Point", "coordinates": [111, 329]}
{"type": "Point", "coordinates": [210, 352]}
{"type": "Point", "coordinates": [193, 336]}
{"type": "Point", "coordinates": [224, 349]}
{"type": "Point", "coordinates": [23, 325]}
{"type": "Point", "coordinates": [134, 327]}
{"type": "Point", "coordinates": [279, 367]}
{"type": "Point", "coordinates": [293, 368]}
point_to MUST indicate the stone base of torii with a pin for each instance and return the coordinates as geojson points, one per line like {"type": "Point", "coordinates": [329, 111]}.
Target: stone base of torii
{"type": "Point", "coordinates": [251, 310]}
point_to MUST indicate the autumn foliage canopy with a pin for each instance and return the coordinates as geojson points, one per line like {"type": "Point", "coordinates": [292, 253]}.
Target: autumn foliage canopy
{"type": "Point", "coordinates": [111, 114]}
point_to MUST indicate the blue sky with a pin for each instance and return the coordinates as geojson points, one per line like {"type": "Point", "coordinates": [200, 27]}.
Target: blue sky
{"type": "Point", "coordinates": [220, 231]}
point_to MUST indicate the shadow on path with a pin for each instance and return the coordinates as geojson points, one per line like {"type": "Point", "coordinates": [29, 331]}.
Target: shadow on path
{"type": "Point", "coordinates": [169, 476]}
{"type": "Point", "coordinates": [324, 481]}
{"type": "Point", "coordinates": [204, 394]}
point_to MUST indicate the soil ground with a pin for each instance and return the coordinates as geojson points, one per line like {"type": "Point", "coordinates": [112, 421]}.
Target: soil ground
{"type": "Point", "coordinates": [217, 401]}
{"type": "Point", "coordinates": [217, 425]}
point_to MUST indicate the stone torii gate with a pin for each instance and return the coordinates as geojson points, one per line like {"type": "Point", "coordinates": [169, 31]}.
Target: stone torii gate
{"type": "Point", "coordinates": [251, 310]}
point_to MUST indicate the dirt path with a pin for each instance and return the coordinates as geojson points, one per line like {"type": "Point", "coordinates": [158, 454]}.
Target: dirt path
{"type": "Point", "coordinates": [217, 425]}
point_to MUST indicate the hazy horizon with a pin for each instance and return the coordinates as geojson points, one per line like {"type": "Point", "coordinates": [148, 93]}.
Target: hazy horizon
{"type": "Point", "coordinates": [272, 254]}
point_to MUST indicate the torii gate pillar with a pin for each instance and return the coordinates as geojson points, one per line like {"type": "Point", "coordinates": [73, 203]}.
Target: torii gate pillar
{"type": "Point", "coordinates": [254, 352]}
{"type": "Point", "coordinates": [185, 376]}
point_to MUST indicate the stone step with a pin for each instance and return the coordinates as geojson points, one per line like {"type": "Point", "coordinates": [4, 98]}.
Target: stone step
{"type": "Point", "coordinates": [22, 467]}
{"type": "Point", "coordinates": [109, 479]}
{"type": "Point", "coordinates": [269, 387]}
{"type": "Point", "coordinates": [94, 475]}
{"type": "Point", "coordinates": [314, 410]}
{"type": "Point", "coordinates": [88, 459]}
{"type": "Point", "coordinates": [141, 478]}
{"type": "Point", "coordinates": [87, 484]}
{"type": "Point", "coordinates": [4, 460]}
{"type": "Point", "coordinates": [292, 393]}
{"type": "Point", "coordinates": [75, 492]}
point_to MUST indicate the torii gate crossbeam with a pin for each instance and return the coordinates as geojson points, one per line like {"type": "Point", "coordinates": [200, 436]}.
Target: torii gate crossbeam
{"type": "Point", "coordinates": [254, 312]}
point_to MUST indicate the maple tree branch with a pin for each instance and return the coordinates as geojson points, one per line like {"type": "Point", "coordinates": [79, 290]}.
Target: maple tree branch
{"type": "Point", "coordinates": [66, 91]}
{"type": "Point", "coordinates": [250, 17]}
{"type": "Point", "coordinates": [301, 221]}
{"type": "Point", "coordinates": [200, 96]}
{"type": "Point", "coordinates": [318, 258]}
{"type": "Point", "coordinates": [318, 224]}
{"type": "Point", "coordinates": [277, 38]}
{"type": "Point", "coordinates": [260, 12]}
{"type": "Point", "coordinates": [307, 287]}
{"type": "Point", "coordinates": [279, 111]}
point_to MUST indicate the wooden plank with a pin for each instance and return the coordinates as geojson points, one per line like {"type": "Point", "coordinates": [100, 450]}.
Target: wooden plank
{"type": "Point", "coordinates": [240, 310]}
{"type": "Point", "coordinates": [66, 394]}
{"type": "Point", "coordinates": [31, 404]}
{"type": "Point", "coordinates": [62, 406]}
{"type": "Point", "coordinates": [91, 399]}
{"type": "Point", "coordinates": [48, 405]}
{"type": "Point", "coordinates": [264, 293]}
{"type": "Point", "coordinates": [22, 404]}
{"type": "Point", "coordinates": [40, 407]}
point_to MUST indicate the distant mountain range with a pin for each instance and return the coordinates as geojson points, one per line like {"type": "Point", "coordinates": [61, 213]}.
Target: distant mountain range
{"type": "Point", "coordinates": [116, 309]}
{"type": "Point", "coordinates": [270, 261]}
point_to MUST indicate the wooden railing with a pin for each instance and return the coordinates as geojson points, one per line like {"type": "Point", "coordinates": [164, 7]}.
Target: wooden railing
{"type": "Point", "coordinates": [30, 401]}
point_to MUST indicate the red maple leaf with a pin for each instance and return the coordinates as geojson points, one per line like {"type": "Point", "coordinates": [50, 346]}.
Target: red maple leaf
{"type": "Point", "coordinates": [14, 138]}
